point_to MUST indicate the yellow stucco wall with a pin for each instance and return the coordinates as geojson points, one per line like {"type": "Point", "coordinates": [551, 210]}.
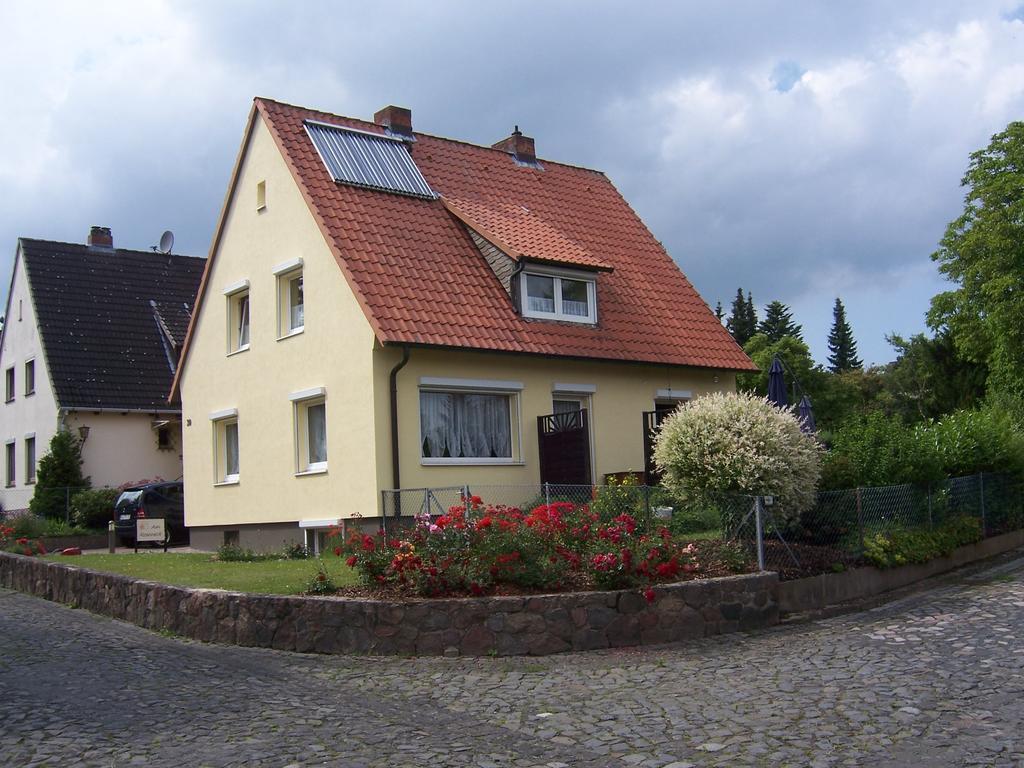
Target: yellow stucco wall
{"type": "Point", "coordinates": [334, 351]}
{"type": "Point", "coordinates": [622, 392]}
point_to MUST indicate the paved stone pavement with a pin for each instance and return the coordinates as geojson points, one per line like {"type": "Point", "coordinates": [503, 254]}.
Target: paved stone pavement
{"type": "Point", "coordinates": [933, 679]}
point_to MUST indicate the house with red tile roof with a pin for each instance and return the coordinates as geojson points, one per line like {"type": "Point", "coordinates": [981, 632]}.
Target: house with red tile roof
{"type": "Point", "coordinates": [383, 308]}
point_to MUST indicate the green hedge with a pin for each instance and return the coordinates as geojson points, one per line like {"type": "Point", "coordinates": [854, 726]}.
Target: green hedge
{"type": "Point", "coordinates": [919, 545]}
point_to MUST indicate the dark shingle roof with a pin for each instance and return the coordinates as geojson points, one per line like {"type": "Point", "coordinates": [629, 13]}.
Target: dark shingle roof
{"type": "Point", "coordinates": [102, 339]}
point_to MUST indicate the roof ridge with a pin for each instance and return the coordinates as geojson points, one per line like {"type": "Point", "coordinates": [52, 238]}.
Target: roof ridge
{"type": "Point", "coordinates": [88, 249]}
{"type": "Point", "coordinates": [464, 142]}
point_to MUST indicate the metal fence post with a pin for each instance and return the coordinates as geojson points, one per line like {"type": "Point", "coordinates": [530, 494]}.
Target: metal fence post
{"type": "Point", "coordinates": [758, 509]}
{"type": "Point", "coordinates": [931, 524]}
{"type": "Point", "coordinates": [67, 504]}
{"type": "Point", "coordinates": [981, 487]}
{"type": "Point", "coordinates": [860, 519]}
{"type": "Point", "coordinates": [547, 494]}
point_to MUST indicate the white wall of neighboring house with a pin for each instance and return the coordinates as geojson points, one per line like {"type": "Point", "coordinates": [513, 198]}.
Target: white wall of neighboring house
{"type": "Point", "coordinates": [122, 448]}
{"type": "Point", "coordinates": [25, 415]}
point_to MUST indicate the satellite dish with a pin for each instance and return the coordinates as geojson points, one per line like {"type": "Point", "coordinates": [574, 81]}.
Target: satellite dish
{"type": "Point", "coordinates": [166, 241]}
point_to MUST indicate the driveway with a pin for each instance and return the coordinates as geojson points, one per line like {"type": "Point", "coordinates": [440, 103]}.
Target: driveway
{"type": "Point", "coordinates": [934, 679]}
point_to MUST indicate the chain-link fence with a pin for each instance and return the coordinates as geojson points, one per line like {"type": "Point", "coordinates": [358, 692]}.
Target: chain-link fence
{"type": "Point", "coordinates": [651, 506]}
{"type": "Point", "coordinates": [834, 533]}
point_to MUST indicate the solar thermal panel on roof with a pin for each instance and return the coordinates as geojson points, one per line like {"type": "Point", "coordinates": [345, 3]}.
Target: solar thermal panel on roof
{"type": "Point", "coordinates": [367, 160]}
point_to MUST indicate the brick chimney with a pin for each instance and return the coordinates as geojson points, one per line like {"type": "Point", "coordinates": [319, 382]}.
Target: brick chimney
{"type": "Point", "coordinates": [395, 119]}
{"type": "Point", "coordinates": [518, 145]}
{"type": "Point", "coordinates": [100, 237]}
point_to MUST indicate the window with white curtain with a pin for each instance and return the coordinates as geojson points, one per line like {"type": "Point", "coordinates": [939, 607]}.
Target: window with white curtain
{"type": "Point", "coordinates": [468, 427]}
{"type": "Point", "coordinates": [568, 297]}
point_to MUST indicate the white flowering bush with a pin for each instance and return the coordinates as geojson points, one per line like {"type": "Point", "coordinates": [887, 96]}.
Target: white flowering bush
{"type": "Point", "coordinates": [739, 444]}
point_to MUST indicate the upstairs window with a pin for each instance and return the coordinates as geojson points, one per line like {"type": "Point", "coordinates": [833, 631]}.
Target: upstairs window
{"type": "Point", "coordinates": [238, 316]}
{"type": "Point", "coordinates": [291, 315]}
{"type": "Point", "coordinates": [559, 297]}
{"type": "Point", "coordinates": [9, 384]}
{"type": "Point", "coordinates": [30, 377]}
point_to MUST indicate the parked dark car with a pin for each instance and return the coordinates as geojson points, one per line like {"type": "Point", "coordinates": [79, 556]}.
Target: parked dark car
{"type": "Point", "coordinates": [155, 500]}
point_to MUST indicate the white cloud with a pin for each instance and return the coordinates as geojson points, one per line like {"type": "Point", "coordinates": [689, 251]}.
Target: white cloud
{"type": "Point", "coordinates": [844, 180]}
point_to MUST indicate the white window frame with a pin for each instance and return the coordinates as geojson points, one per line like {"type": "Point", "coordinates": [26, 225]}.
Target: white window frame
{"type": "Point", "coordinates": [302, 401]}
{"type": "Point", "coordinates": [30, 365]}
{"type": "Point", "coordinates": [236, 293]}
{"type": "Point", "coordinates": [11, 463]}
{"type": "Point", "coordinates": [30, 460]}
{"type": "Point", "coordinates": [285, 273]}
{"type": "Point", "coordinates": [511, 389]}
{"type": "Point", "coordinates": [558, 275]}
{"type": "Point", "coordinates": [220, 421]}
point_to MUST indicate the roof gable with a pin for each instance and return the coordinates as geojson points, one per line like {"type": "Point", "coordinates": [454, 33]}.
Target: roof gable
{"type": "Point", "coordinates": [100, 312]}
{"type": "Point", "coordinates": [416, 271]}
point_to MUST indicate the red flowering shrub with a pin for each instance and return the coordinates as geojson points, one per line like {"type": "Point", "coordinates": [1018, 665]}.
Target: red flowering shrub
{"type": "Point", "coordinates": [21, 545]}
{"type": "Point", "coordinates": [475, 548]}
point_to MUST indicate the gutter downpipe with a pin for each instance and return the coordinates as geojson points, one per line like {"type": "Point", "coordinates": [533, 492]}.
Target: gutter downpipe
{"type": "Point", "coordinates": [396, 470]}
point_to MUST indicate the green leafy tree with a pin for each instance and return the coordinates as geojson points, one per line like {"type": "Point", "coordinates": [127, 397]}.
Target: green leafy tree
{"type": "Point", "coordinates": [742, 322]}
{"type": "Point", "coordinates": [930, 379]}
{"type": "Point", "coordinates": [59, 476]}
{"type": "Point", "coordinates": [778, 322]}
{"type": "Point", "coordinates": [982, 251]}
{"type": "Point", "coordinates": [842, 346]}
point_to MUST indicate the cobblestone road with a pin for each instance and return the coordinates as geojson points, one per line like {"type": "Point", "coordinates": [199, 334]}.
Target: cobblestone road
{"type": "Point", "coordinates": [935, 679]}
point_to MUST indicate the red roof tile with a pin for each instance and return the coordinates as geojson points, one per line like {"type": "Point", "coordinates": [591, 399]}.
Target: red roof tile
{"type": "Point", "coordinates": [421, 280]}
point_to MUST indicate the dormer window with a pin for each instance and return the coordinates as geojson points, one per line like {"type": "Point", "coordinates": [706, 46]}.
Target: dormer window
{"type": "Point", "coordinates": [559, 295]}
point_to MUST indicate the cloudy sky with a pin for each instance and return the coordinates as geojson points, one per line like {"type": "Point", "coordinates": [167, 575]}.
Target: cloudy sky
{"type": "Point", "coordinates": [802, 150]}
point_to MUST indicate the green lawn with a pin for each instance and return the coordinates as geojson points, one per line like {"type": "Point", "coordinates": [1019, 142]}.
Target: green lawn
{"type": "Point", "coordinates": [271, 577]}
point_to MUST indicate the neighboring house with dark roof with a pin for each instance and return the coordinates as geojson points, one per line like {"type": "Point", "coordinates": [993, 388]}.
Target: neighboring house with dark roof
{"type": "Point", "coordinates": [91, 344]}
{"type": "Point", "coordinates": [424, 312]}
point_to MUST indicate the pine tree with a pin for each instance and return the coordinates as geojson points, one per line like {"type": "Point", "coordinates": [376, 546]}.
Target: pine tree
{"type": "Point", "coordinates": [841, 345]}
{"type": "Point", "coordinates": [59, 476]}
{"type": "Point", "coordinates": [719, 312]}
{"type": "Point", "coordinates": [751, 314]}
{"type": "Point", "coordinates": [778, 322]}
{"type": "Point", "coordinates": [739, 323]}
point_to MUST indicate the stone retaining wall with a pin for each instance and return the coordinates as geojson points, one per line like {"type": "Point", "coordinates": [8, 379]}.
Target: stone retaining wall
{"type": "Point", "coordinates": [534, 625]}
{"type": "Point", "coordinates": [818, 593]}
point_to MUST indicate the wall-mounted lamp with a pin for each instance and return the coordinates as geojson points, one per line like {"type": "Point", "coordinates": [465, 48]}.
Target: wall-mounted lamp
{"type": "Point", "coordinates": [83, 433]}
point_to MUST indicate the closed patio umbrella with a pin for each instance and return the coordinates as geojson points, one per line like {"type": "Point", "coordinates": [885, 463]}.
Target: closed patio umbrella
{"type": "Point", "coordinates": [805, 413]}
{"type": "Point", "coordinates": [777, 384]}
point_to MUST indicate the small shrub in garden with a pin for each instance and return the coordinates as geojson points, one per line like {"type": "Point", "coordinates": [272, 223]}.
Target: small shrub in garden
{"type": "Point", "coordinates": [229, 553]}
{"type": "Point", "coordinates": [28, 525]}
{"type": "Point", "coordinates": [295, 551]}
{"type": "Point", "coordinates": [321, 583]}
{"type": "Point", "coordinates": [94, 508]}
{"type": "Point", "coordinates": [919, 545]}
{"type": "Point", "coordinates": [724, 444]}
{"type": "Point", "coordinates": [24, 546]}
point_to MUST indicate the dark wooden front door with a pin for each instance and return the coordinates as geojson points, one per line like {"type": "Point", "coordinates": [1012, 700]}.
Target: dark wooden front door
{"type": "Point", "coordinates": [564, 440]}
{"type": "Point", "coordinates": [652, 420]}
